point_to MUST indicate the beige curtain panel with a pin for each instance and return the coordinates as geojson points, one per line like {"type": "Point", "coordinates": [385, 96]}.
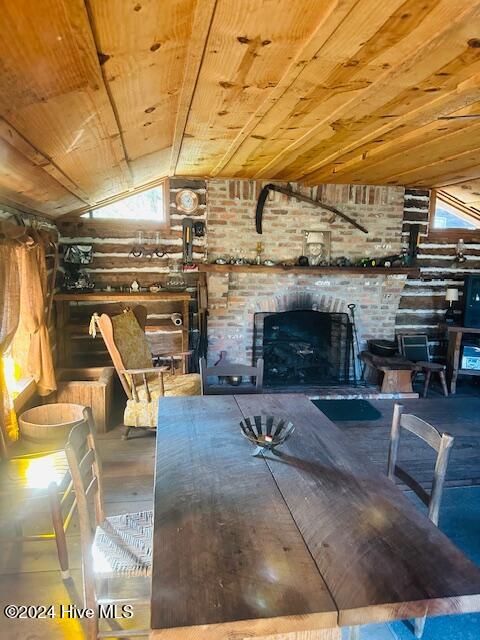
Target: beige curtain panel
{"type": "Point", "coordinates": [9, 318]}
{"type": "Point", "coordinates": [33, 312]}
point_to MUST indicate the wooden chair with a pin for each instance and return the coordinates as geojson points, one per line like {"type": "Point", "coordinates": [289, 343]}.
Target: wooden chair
{"type": "Point", "coordinates": [33, 477]}
{"type": "Point", "coordinates": [223, 371]}
{"type": "Point", "coordinates": [415, 348]}
{"type": "Point", "coordinates": [116, 546]}
{"type": "Point", "coordinates": [442, 443]}
{"type": "Point", "coordinates": [144, 384]}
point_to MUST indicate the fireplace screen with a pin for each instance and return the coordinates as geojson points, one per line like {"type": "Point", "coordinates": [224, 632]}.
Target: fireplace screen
{"type": "Point", "coordinates": [307, 348]}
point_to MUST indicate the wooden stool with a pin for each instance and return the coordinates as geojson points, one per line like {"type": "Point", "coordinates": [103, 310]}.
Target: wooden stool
{"type": "Point", "coordinates": [417, 349]}
{"type": "Point", "coordinates": [396, 371]}
{"type": "Point", "coordinates": [433, 367]}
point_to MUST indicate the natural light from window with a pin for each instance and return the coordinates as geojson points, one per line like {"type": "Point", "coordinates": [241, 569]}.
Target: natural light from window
{"type": "Point", "coordinates": [146, 205]}
{"type": "Point", "coordinates": [13, 375]}
{"type": "Point", "coordinates": [449, 217]}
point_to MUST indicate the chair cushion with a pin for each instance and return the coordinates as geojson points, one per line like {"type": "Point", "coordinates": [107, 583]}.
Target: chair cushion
{"type": "Point", "coordinates": [131, 341]}
{"type": "Point", "coordinates": [122, 545]}
{"type": "Point", "coordinates": [143, 413]}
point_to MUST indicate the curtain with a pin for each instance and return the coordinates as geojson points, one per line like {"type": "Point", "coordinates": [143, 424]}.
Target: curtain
{"type": "Point", "coordinates": [33, 312]}
{"type": "Point", "coordinates": [9, 317]}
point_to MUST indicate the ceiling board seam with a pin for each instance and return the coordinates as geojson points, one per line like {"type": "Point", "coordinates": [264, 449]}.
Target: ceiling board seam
{"type": "Point", "coordinates": [255, 120]}
{"type": "Point", "coordinates": [391, 126]}
{"type": "Point", "coordinates": [308, 136]}
{"type": "Point", "coordinates": [183, 113]}
{"type": "Point", "coordinates": [374, 156]}
{"type": "Point", "coordinates": [125, 163]}
{"type": "Point", "coordinates": [436, 160]}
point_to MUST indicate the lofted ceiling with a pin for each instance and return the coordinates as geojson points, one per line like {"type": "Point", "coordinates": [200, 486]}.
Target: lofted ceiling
{"type": "Point", "coordinates": [100, 97]}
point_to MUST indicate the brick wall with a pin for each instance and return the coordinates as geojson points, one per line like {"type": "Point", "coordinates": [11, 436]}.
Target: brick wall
{"type": "Point", "coordinates": [231, 220]}
{"type": "Point", "coordinates": [235, 298]}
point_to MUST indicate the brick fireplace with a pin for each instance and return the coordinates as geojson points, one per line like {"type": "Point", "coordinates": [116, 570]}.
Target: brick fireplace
{"type": "Point", "coordinates": [238, 302]}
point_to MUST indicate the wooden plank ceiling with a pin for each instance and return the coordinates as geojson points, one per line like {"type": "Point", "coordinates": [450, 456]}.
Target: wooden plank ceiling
{"type": "Point", "coordinates": [99, 98]}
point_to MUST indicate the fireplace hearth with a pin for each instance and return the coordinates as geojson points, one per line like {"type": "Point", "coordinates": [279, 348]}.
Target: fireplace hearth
{"type": "Point", "coordinates": [307, 347]}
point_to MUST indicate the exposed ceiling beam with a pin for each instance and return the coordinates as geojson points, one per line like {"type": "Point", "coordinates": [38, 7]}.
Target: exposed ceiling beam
{"type": "Point", "coordinates": [12, 137]}
{"type": "Point", "coordinates": [202, 22]}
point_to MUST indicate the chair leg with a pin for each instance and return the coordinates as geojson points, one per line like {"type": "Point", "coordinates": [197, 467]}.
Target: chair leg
{"type": "Point", "coordinates": [444, 383]}
{"type": "Point", "coordinates": [92, 628]}
{"type": "Point", "coordinates": [428, 375]}
{"type": "Point", "coordinates": [127, 431]}
{"type": "Point", "coordinates": [419, 626]}
{"type": "Point", "coordinates": [60, 539]}
{"type": "Point", "coordinates": [354, 633]}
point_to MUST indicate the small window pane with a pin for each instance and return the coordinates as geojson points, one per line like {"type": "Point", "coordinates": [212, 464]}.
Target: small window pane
{"type": "Point", "coordinates": [448, 216]}
{"type": "Point", "coordinates": [146, 205]}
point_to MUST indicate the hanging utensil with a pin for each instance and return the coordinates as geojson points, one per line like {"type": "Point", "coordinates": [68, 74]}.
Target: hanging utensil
{"type": "Point", "coordinates": [351, 307]}
{"type": "Point", "coordinates": [187, 225]}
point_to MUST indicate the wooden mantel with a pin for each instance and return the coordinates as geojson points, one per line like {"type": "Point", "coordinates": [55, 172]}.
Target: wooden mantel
{"type": "Point", "coordinates": [278, 268]}
{"type": "Point", "coordinates": [121, 296]}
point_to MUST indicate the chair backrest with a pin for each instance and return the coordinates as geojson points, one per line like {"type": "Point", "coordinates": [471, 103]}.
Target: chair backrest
{"type": "Point", "coordinates": [225, 370]}
{"type": "Point", "coordinates": [85, 469]}
{"type": "Point", "coordinates": [125, 339]}
{"type": "Point", "coordinates": [441, 442]}
{"type": "Point", "coordinates": [415, 347]}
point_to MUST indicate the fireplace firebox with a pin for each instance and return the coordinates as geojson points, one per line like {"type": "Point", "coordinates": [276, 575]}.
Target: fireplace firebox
{"type": "Point", "coordinates": [307, 347]}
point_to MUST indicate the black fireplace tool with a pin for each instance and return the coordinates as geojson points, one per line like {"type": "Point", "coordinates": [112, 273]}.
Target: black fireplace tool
{"type": "Point", "coordinates": [351, 307]}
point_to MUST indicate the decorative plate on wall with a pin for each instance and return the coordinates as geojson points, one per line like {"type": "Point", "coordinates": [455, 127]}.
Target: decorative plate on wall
{"type": "Point", "coordinates": [187, 201]}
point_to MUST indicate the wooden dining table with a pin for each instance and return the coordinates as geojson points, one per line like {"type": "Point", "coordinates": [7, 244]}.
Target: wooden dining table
{"type": "Point", "coordinates": [290, 546]}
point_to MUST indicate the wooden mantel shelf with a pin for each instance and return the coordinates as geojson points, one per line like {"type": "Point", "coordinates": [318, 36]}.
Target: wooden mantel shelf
{"type": "Point", "coordinates": [261, 268]}
{"type": "Point", "coordinates": [118, 296]}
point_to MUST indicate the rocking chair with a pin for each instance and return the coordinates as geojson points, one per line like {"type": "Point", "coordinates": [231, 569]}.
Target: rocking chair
{"type": "Point", "coordinates": [144, 384]}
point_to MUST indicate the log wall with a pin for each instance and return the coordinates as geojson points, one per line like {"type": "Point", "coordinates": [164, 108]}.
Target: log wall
{"type": "Point", "coordinates": [112, 243]}
{"type": "Point", "coordinates": [422, 306]}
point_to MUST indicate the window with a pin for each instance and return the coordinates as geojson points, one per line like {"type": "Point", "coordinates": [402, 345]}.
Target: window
{"type": "Point", "coordinates": [450, 213]}
{"type": "Point", "coordinates": [146, 205]}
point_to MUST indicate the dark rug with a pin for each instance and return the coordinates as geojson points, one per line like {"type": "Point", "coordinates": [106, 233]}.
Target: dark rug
{"type": "Point", "coordinates": [340, 410]}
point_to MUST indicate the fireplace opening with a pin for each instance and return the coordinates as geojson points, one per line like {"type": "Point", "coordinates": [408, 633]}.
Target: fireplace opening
{"type": "Point", "coordinates": [307, 348]}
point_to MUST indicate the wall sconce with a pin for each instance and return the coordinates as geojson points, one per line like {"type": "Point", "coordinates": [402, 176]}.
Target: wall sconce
{"type": "Point", "coordinates": [451, 296]}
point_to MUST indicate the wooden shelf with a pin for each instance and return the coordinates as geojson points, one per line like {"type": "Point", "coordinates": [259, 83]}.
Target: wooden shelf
{"type": "Point", "coordinates": [120, 296]}
{"type": "Point", "coordinates": [82, 330]}
{"type": "Point", "coordinates": [261, 268]}
{"type": "Point", "coordinates": [71, 332]}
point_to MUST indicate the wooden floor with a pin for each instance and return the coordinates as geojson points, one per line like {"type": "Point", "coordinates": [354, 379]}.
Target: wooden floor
{"type": "Point", "coordinates": [29, 572]}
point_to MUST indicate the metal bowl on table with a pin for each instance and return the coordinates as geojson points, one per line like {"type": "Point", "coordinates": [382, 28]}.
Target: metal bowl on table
{"type": "Point", "coordinates": [266, 432]}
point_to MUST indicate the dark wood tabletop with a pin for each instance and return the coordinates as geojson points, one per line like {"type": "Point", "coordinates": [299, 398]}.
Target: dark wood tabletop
{"type": "Point", "coordinates": [306, 540]}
